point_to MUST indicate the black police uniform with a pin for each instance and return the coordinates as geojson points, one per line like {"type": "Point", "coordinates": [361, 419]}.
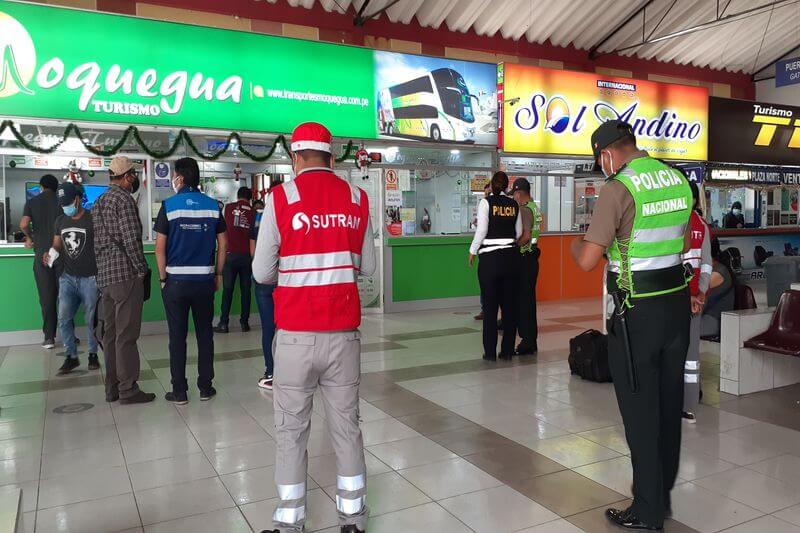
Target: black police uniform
{"type": "Point", "coordinates": [496, 274]}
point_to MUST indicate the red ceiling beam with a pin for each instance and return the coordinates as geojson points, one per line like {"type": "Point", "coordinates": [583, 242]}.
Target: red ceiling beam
{"type": "Point", "coordinates": [334, 23]}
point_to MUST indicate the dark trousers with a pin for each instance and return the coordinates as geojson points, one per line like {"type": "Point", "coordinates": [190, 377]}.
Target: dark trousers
{"type": "Point", "coordinates": [497, 273]}
{"type": "Point", "coordinates": [47, 286]}
{"type": "Point", "coordinates": [266, 310]}
{"type": "Point", "coordinates": [119, 325]}
{"type": "Point", "coordinates": [527, 325]}
{"type": "Point", "coordinates": [180, 297]}
{"type": "Point", "coordinates": [659, 337]}
{"type": "Point", "coordinates": [240, 265]}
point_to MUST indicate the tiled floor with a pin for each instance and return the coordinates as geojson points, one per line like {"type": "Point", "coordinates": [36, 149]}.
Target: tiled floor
{"type": "Point", "coordinates": [453, 443]}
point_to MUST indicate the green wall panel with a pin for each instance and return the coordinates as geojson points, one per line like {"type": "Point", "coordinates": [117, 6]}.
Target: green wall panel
{"type": "Point", "coordinates": [428, 268]}
{"type": "Point", "coordinates": [20, 310]}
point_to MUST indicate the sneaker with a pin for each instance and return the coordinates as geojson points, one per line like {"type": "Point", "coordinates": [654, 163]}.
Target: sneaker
{"type": "Point", "coordinates": [94, 362]}
{"type": "Point", "coordinates": [222, 328]}
{"type": "Point", "coordinates": [70, 364]}
{"type": "Point", "coordinates": [207, 394]}
{"type": "Point", "coordinates": [245, 327]}
{"type": "Point", "coordinates": [265, 382]}
{"type": "Point", "coordinates": [178, 398]}
{"type": "Point", "coordinates": [49, 344]}
{"type": "Point", "coordinates": [689, 417]}
{"type": "Point", "coordinates": [139, 397]}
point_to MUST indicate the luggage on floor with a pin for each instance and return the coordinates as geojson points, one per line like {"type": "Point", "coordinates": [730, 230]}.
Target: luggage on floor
{"type": "Point", "coordinates": [588, 356]}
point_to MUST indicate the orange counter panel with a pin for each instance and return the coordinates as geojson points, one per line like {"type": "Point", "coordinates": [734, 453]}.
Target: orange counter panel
{"type": "Point", "coordinates": [559, 276]}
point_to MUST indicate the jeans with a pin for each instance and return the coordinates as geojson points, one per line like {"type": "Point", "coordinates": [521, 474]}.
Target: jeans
{"type": "Point", "coordinates": [240, 265]}
{"type": "Point", "coordinates": [74, 291]}
{"type": "Point", "coordinates": [266, 310]}
{"type": "Point", "coordinates": [179, 298]}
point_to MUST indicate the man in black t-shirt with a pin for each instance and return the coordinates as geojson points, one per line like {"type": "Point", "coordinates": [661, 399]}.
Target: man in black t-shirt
{"type": "Point", "coordinates": [37, 224]}
{"type": "Point", "coordinates": [74, 241]}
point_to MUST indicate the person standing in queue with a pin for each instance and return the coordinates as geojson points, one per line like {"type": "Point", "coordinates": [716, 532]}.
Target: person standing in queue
{"type": "Point", "coordinates": [239, 219]}
{"type": "Point", "coordinates": [266, 306]}
{"type": "Point", "coordinates": [642, 219]}
{"type": "Point", "coordinates": [499, 227]}
{"type": "Point", "coordinates": [189, 229]}
{"type": "Point", "coordinates": [527, 325]}
{"type": "Point", "coordinates": [698, 258]}
{"type": "Point", "coordinates": [315, 239]}
{"type": "Point", "coordinates": [487, 190]}
{"type": "Point", "coordinates": [121, 275]}
{"type": "Point", "coordinates": [37, 221]}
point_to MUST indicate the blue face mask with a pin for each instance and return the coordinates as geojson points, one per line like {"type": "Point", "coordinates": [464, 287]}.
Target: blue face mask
{"type": "Point", "coordinates": [70, 210]}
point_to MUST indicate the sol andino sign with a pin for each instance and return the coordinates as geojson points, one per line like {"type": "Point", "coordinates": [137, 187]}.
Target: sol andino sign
{"type": "Point", "coordinates": [140, 71]}
{"type": "Point", "coordinates": [555, 112]}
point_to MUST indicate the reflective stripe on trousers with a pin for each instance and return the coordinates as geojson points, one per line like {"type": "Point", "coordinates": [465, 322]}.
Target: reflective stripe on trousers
{"type": "Point", "coordinates": [330, 361]}
{"type": "Point", "coordinates": [691, 369]}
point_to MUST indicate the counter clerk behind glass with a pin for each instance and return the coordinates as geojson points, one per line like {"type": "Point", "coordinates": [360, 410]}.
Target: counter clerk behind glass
{"type": "Point", "coordinates": [499, 227]}
{"type": "Point", "coordinates": [642, 219]}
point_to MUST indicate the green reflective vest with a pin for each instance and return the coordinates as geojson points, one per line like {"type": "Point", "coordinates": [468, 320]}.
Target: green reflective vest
{"type": "Point", "coordinates": [536, 223]}
{"type": "Point", "coordinates": [649, 262]}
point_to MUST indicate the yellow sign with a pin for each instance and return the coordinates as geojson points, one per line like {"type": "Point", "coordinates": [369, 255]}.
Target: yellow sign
{"type": "Point", "coordinates": [555, 112]}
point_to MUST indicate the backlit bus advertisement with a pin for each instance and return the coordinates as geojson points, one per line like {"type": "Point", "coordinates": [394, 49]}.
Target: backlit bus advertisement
{"type": "Point", "coordinates": [435, 99]}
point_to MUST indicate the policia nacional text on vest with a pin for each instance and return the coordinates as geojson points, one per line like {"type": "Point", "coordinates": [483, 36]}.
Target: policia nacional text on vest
{"type": "Point", "coordinates": [649, 332]}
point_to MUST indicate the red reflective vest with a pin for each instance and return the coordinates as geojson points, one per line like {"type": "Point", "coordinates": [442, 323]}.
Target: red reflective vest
{"type": "Point", "coordinates": [322, 220]}
{"type": "Point", "coordinates": [695, 253]}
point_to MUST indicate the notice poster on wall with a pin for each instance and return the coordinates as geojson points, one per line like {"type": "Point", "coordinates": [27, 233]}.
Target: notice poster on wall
{"type": "Point", "coordinates": [555, 112]}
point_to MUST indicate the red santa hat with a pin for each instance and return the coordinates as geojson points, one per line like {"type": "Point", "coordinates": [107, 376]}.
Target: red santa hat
{"type": "Point", "coordinates": [311, 136]}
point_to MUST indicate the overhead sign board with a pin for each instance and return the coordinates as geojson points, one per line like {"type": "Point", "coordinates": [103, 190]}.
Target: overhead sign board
{"type": "Point", "coordinates": [555, 112]}
{"type": "Point", "coordinates": [178, 75]}
{"type": "Point", "coordinates": [787, 72]}
{"type": "Point", "coordinates": [753, 132]}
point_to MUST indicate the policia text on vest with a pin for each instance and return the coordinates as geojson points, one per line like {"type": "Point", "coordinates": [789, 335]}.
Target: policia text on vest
{"type": "Point", "coordinates": [649, 330]}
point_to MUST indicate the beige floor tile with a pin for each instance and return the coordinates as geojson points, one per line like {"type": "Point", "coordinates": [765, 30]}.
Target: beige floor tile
{"type": "Point", "coordinates": [573, 451]}
{"type": "Point", "coordinates": [180, 500]}
{"type": "Point", "coordinates": [496, 510]}
{"type": "Point", "coordinates": [171, 470]}
{"type": "Point", "coordinates": [763, 525]}
{"type": "Point", "coordinates": [116, 513]}
{"type": "Point", "coordinates": [91, 485]}
{"type": "Point", "coordinates": [225, 520]}
{"type": "Point", "coordinates": [243, 457]}
{"type": "Point", "coordinates": [389, 492]}
{"type": "Point", "coordinates": [412, 452]}
{"type": "Point", "coordinates": [707, 511]}
{"type": "Point", "coordinates": [449, 478]}
{"type": "Point", "coordinates": [428, 517]}
{"type": "Point", "coordinates": [763, 493]}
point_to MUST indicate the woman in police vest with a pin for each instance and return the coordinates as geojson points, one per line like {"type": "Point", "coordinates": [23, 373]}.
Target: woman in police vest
{"type": "Point", "coordinates": [499, 227]}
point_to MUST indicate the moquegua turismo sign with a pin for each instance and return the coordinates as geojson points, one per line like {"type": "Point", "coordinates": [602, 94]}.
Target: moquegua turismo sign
{"type": "Point", "coordinates": [555, 112]}
{"type": "Point", "coordinates": [138, 71]}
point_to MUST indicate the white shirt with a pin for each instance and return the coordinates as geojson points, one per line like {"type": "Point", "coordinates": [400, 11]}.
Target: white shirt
{"type": "Point", "coordinates": [483, 226]}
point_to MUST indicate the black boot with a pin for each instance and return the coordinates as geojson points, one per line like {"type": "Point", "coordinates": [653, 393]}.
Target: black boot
{"type": "Point", "coordinates": [351, 529]}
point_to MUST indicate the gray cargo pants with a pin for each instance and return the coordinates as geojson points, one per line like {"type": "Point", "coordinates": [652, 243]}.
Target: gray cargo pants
{"type": "Point", "coordinates": [691, 372]}
{"type": "Point", "coordinates": [332, 361]}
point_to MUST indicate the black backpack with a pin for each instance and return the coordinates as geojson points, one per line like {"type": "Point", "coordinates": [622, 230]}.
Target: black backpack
{"type": "Point", "coordinates": [588, 356]}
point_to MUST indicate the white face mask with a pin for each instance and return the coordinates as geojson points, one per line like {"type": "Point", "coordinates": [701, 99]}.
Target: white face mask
{"type": "Point", "coordinates": [736, 211]}
{"type": "Point", "coordinates": [610, 167]}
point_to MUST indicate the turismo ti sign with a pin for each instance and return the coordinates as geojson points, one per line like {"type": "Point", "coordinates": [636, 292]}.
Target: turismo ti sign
{"type": "Point", "coordinates": [555, 112]}
{"type": "Point", "coordinates": [787, 72]}
{"type": "Point", "coordinates": [753, 132]}
{"type": "Point", "coordinates": [147, 72]}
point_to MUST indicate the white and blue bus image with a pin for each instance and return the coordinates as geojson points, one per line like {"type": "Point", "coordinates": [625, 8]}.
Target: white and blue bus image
{"type": "Point", "coordinates": [436, 106]}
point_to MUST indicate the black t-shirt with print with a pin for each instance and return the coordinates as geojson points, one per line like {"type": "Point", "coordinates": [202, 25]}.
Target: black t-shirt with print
{"type": "Point", "coordinates": [77, 245]}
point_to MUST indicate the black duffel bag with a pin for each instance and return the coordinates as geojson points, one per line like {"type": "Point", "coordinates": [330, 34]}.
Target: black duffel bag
{"type": "Point", "coordinates": [588, 356]}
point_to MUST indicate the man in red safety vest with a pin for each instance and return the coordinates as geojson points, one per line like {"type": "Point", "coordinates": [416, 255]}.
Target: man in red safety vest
{"type": "Point", "coordinates": [314, 240]}
{"type": "Point", "coordinates": [698, 257]}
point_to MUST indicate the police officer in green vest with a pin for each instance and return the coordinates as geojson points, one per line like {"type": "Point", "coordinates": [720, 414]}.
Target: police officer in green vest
{"type": "Point", "coordinates": [641, 219]}
{"type": "Point", "coordinates": [528, 269]}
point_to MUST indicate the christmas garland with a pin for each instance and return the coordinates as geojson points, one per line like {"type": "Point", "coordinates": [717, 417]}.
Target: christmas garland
{"type": "Point", "coordinates": [183, 136]}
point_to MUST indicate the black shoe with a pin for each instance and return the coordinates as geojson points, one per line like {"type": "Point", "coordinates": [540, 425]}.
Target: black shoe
{"type": "Point", "coordinates": [110, 398]}
{"type": "Point", "coordinates": [70, 364]}
{"type": "Point", "coordinates": [351, 529]}
{"type": "Point", "coordinates": [489, 357]}
{"type": "Point", "coordinates": [526, 350]}
{"type": "Point", "coordinates": [270, 531]}
{"type": "Point", "coordinates": [245, 327]}
{"type": "Point", "coordinates": [49, 344]}
{"type": "Point", "coordinates": [207, 394]}
{"type": "Point", "coordinates": [625, 519]}
{"type": "Point", "coordinates": [222, 328]}
{"type": "Point", "coordinates": [503, 355]}
{"type": "Point", "coordinates": [140, 397]}
{"type": "Point", "coordinates": [94, 362]}
{"type": "Point", "coordinates": [178, 398]}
